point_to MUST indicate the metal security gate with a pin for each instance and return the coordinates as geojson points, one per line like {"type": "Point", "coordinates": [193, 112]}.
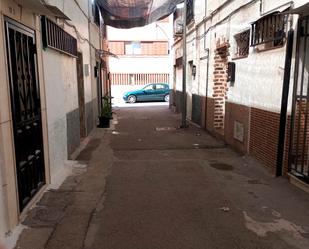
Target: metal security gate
{"type": "Point", "coordinates": [26, 110]}
{"type": "Point", "coordinates": [299, 136]}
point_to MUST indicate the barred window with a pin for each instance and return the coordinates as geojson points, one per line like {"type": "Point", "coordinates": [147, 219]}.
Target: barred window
{"type": "Point", "coordinates": [269, 31]}
{"type": "Point", "coordinates": [56, 38]}
{"type": "Point", "coordinates": [242, 44]}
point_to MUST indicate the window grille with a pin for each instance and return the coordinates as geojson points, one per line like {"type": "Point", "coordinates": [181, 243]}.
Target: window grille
{"type": "Point", "coordinates": [269, 30]}
{"type": "Point", "coordinates": [242, 44]}
{"type": "Point", "coordinates": [190, 11]}
{"type": "Point", "coordinates": [55, 37]}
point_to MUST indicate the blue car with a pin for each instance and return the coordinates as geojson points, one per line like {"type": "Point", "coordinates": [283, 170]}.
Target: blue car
{"type": "Point", "coordinates": [151, 92]}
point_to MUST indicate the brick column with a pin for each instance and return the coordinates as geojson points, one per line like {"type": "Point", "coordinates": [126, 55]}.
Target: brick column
{"type": "Point", "coordinates": [220, 84]}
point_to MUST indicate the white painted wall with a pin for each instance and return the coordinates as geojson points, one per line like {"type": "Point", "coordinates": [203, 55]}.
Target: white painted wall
{"type": "Point", "coordinates": [58, 83]}
{"type": "Point", "coordinates": [159, 31]}
{"type": "Point", "coordinates": [61, 79]}
{"type": "Point", "coordinates": [140, 64]}
{"type": "Point", "coordinates": [151, 32]}
{"type": "Point", "coordinates": [3, 223]}
{"type": "Point", "coordinates": [259, 77]}
{"type": "Point", "coordinates": [3, 207]}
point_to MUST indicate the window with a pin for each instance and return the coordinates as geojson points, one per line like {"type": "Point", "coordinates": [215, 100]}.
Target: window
{"type": "Point", "coordinates": [190, 11]}
{"type": "Point", "coordinates": [269, 31]}
{"type": "Point", "coordinates": [150, 87]}
{"type": "Point", "coordinates": [160, 87]}
{"type": "Point", "coordinates": [242, 44]}
{"type": "Point", "coordinates": [133, 48]}
{"type": "Point", "coordinates": [55, 37]}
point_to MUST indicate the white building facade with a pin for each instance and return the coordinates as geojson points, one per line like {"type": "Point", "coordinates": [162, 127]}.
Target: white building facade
{"type": "Point", "coordinates": [238, 82]}
{"type": "Point", "coordinates": [143, 54]}
{"type": "Point", "coordinates": [49, 72]}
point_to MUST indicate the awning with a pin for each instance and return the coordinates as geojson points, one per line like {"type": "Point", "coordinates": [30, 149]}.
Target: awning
{"type": "Point", "coordinates": [277, 11]}
{"type": "Point", "coordinates": [135, 13]}
{"type": "Point", "coordinates": [302, 10]}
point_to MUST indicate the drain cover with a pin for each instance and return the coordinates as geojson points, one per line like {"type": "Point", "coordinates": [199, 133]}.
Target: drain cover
{"type": "Point", "coordinates": [222, 166]}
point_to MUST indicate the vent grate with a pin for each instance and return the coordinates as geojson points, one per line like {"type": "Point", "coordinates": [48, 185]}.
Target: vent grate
{"type": "Point", "coordinates": [56, 38]}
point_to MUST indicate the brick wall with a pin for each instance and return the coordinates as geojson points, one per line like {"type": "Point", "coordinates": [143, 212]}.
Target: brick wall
{"type": "Point", "coordinates": [150, 48]}
{"type": "Point", "coordinates": [287, 146]}
{"type": "Point", "coordinates": [220, 84]}
{"type": "Point", "coordinates": [264, 134]}
{"type": "Point", "coordinates": [116, 47]}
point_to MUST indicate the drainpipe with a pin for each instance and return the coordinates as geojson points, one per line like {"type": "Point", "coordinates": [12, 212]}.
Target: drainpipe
{"type": "Point", "coordinates": [184, 69]}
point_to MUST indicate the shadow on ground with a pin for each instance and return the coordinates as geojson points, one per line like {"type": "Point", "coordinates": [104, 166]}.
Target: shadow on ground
{"type": "Point", "coordinates": [151, 185]}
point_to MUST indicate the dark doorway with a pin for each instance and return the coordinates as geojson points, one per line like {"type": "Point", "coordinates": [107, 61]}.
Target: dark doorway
{"type": "Point", "coordinates": [26, 110]}
{"type": "Point", "coordinates": [81, 95]}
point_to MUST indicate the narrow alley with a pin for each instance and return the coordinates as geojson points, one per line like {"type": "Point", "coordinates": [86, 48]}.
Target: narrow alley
{"type": "Point", "coordinates": [154, 124]}
{"type": "Point", "coordinates": [144, 183]}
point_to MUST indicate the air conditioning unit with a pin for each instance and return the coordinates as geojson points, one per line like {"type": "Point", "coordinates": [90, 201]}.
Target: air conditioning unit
{"type": "Point", "coordinates": [178, 28]}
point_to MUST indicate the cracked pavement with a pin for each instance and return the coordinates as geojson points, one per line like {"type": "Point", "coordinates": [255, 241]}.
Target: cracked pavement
{"type": "Point", "coordinates": [149, 185]}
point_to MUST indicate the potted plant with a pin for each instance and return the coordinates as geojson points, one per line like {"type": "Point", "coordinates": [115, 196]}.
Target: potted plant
{"type": "Point", "coordinates": [106, 112]}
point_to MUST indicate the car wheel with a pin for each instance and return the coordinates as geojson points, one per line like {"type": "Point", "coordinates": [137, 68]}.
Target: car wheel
{"type": "Point", "coordinates": [131, 99]}
{"type": "Point", "coordinates": [167, 98]}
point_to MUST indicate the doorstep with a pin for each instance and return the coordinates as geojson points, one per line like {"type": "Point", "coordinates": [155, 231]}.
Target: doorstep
{"type": "Point", "coordinates": [298, 183]}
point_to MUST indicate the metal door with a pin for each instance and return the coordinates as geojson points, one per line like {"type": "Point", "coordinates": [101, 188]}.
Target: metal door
{"type": "Point", "coordinates": [299, 136]}
{"type": "Point", "coordinates": [26, 110]}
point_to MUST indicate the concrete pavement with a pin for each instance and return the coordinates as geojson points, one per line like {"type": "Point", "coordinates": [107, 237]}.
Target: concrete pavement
{"type": "Point", "coordinates": [149, 185]}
